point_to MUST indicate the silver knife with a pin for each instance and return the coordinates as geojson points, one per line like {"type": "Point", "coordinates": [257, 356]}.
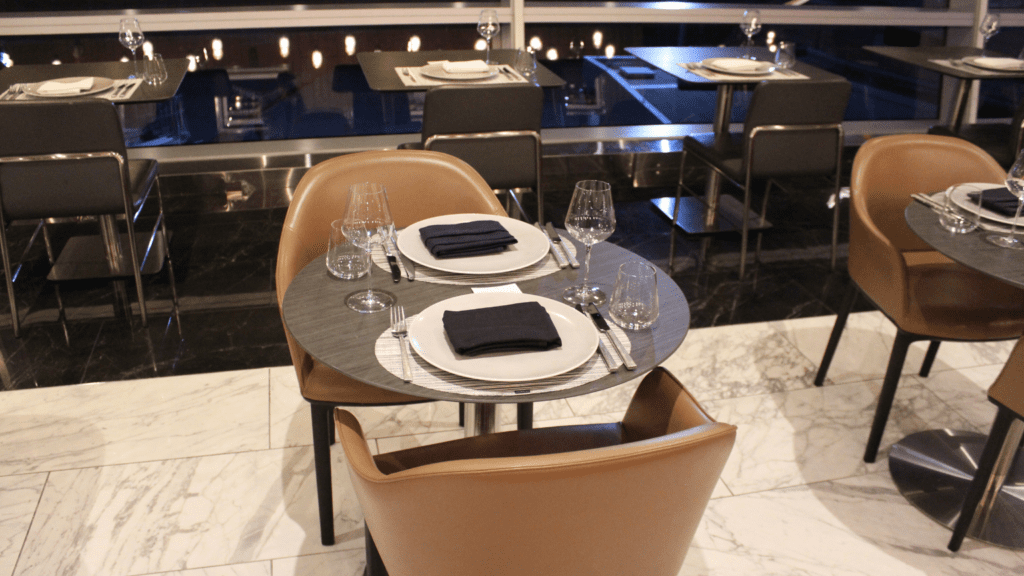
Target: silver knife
{"type": "Point", "coordinates": [613, 366]}
{"type": "Point", "coordinates": [407, 265]}
{"type": "Point", "coordinates": [599, 321]}
{"type": "Point", "coordinates": [396, 274]}
{"type": "Point", "coordinates": [562, 262]}
{"type": "Point", "coordinates": [554, 237]}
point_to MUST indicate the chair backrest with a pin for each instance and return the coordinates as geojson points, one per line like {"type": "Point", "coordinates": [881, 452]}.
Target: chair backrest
{"type": "Point", "coordinates": [199, 92]}
{"type": "Point", "coordinates": [796, 105]}
{"type": "Point", "coordinates": [504, 160]}
{"type": "Point", "coordinates": [56, 188]}
{"type": "Point", "coordinates": [1008, 389]}
{"type": "Point", "coordinates": [624, 508]}
{"type": "Point", "coordinates": [887, 170]}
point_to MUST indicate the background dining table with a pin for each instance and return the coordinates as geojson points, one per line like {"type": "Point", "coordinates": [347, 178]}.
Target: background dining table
{"type": "Point", "coordinates": [31, 73]}
{"type": "Point", "coordinates": [316, 315]}
{"type": "Point", "coordinates": [379, 67]}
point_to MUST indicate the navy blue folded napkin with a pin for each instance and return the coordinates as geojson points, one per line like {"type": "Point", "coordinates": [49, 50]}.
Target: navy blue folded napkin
{"type": "Point", "coordinates": [510, 328]}
{"type": "Point", "coordinates": [466, 239]}
{"type": "Point", "coordinates": [998, 200]}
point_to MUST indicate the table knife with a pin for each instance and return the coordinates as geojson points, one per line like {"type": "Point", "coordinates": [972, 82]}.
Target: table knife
{"type": "Point", "coordinates": [553, 235]}
{"type": "Point", "coordinates": [613, 366]}
{"type": "Point", "coordinates": [403, 261]}
{"type": "Point", "coordinates": [599, 321]}
{"type": "Point", "coordinates": [562, 262]}
{"type": "Point", "coordinates": [396, 274]}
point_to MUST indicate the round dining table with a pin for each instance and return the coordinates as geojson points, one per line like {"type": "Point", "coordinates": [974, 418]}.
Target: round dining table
{"type": "Point", "coordinates": [315, 313]}
{"type": "Point", "coordinates": [934, 468]}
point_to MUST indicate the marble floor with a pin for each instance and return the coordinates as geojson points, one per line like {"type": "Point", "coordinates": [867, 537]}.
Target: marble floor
{"type": "Point", "coordinates": [212, 474]}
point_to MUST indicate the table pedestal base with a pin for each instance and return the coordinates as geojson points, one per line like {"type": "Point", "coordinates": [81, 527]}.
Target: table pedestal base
{"type": "Point", "coordinates": [481, 419]}
{"type": "Point", "coordinates": [933, 471]}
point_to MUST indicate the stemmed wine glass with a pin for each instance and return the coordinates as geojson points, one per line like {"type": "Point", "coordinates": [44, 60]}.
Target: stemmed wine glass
{"type": "Point", "coordinates": [368, 222]}
{"type": "Point", "coordinates": [131, 37]}
{"type": "Point", "coordinates": [750, 25]}
{"type": "Point", "coordinates": [988, 28]}
{"type": "Point", "coordinates": [591, 219]}
{"type": "Point", "coordinates": [1015, 184]}
{"type": "Point", "coordinates": [488, 27]}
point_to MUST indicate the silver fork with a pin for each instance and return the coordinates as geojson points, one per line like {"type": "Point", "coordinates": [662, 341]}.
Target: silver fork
{"type": "Point", "coordinates": [399, 330]}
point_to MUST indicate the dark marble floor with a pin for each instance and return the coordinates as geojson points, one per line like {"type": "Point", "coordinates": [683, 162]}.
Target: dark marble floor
{"type": "Point", "coordinates": [226, 318]}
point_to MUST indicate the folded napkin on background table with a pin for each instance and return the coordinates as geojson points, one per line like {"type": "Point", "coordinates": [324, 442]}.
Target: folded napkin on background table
{"type": "Point", "coordinates": [999, 200]}
{"type": "Point", "coordinates": [466, 67]}
{"type": "Point", "coordinates": [466, 239]}
{"type": "Point", "coordinates": [510, 328]}
{"type": "Point", "coordinates": [65, 87]}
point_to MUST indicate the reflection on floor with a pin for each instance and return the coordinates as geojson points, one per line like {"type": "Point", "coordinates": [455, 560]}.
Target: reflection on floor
{"type": "Point", "coordinates": [212, 474]}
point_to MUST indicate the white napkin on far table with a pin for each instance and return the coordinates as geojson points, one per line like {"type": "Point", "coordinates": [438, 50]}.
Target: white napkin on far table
{"type": "Point", "coordinates": [466, 67]}
{"type": "Point", "coordinates": [77, 87]}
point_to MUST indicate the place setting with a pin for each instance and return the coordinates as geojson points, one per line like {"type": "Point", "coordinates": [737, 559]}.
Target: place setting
{"type": "Point", "coordinates": [442, 72]}
{"type": "Point", "coordinates": [73, 87]}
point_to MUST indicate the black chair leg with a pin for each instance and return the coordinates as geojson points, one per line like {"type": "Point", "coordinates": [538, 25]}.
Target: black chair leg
{"type": "Point", "coordinates": [330, 426]}
{"type": "Point", "coordinates": [462, 414]}
{"type": "Point", "coordinates": [524, 416]}
{"type": "Point", "coordinates": [986, 463]}
{"type": "Point", "coordinates": [321, 414]}
{"type": "Point", "coordinates": [885, 397]}
{"type": "Point", "coordinates": [837, 333]}
{"type": "Point", "coordinates": [929, 358]}
{"type": "Point", "coordinates": [374, 564]}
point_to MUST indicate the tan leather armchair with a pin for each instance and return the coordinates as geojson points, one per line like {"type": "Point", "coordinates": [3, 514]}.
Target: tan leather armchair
{"type": "Point", "coordinates": [926, 295]}
{"type": "Point", "coordinates": [420, 185]}
{"type": "Point", "coordinates": [602, 499]}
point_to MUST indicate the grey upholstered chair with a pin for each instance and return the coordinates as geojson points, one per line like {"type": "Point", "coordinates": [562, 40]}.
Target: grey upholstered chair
{"type": "Point", "coordinates": [68, 159]}
{"type": "Point", "coordinates": [496, 129]}
{"type": "Point", "coordinates": [793, 128]}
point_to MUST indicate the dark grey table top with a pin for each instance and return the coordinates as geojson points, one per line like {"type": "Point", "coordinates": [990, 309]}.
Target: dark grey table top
{"type": "Point", "coordinates": [970, 249]}
{"type": "Point", "coordinates": [668, 58]}
{"type": "Point", "coordinates": [315, 313]}
{"type": "Point", "coordinates": [922, 56]}
{"type": "Point", "coordinates": [25, 73]}
{"type": "Point", "coordinates": [379, 67]}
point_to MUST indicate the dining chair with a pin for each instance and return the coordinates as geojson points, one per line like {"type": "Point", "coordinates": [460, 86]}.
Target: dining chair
{"type": "Point", "coordinates": [1003, 141]}
{"type": "Point", "coordinates": [793, 128]}
{"type": "Point", "coordinates": [593, 499]}
{"type": "Point", "coordinates": [68, 159]}
{"type": "Point", "coordinates": [419, 184]}
{"type": "Point", "coordinates": [1007, 393]}
{"type": "Point", "coordinates": [496, 129]}
{"type": "Point", "coordinates": [926, 295]}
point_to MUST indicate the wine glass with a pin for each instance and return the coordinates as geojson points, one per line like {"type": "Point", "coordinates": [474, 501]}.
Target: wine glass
{"type": "Point", "coordinates": [488, 27]}
{"type": "Point", "coordinates": [131, 37]}
{"type": "Point", "coordinates": [591, 219]}
{"type": "Point", "coordinates": [367, 223]}
{"type": "Point", "coordinates": [750, 25]}
{"type": "Point", "coordinates": [988, 28]}
{"type": "Point", "coordinates": [1015, 184]}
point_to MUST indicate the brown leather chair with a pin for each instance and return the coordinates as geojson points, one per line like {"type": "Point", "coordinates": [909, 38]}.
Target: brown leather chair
{"type": "Point", "coordinates": [1007, 393]}
{"type": "Point", "coordinates": [926, 295]}
{"type": "Point", "coordinates": [600, 499]}
{"type": "Point", "coordinates": [420, 185]}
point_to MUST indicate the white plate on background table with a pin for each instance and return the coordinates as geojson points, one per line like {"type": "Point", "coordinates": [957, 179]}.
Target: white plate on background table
{"type": "Point", "coordinates": [99, 84]}
{"type": "Point", "coordinates": [959, 197]}
{"type": "Point", "coordinates": [996, 64]}
{"type": "Point", "coordinates": [437, 72]}
{"type": "Point", "coordinates": [738, 66]}
{"type": "Point", "coordinates": [578, 334]}
{"type": "Point", "coordinates": [532, 247]}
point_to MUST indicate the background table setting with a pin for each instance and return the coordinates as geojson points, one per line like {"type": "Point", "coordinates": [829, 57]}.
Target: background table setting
{"type": "Point", "coordinates": [404, 71]}
{"type": "Point", "coordinates": [111, 81]}
{"type": "Point", "coordinates": [443, 72]}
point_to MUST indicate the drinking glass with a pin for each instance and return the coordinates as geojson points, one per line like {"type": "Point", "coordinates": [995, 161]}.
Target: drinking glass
{"type": "Point", "coordinates": [988, 28]}
{"type": "Point", "coordinates": [488, 27]}
{"type": "Point", "coordinates": [956, 220]}
{"type": "Point", "coordinates": [153, 70]}
{"type": "Point", "coordinates": [131, 37]}
{"type": "Point", "coordinates": [785, 54]}
{"type": "Point", "coordinates": [367, 223]}
{"type": "Point", "coordinates": [1015, 184]}
{"type": "Point", "coordinates": [750, 25]}
{"type": "Point", "coordinates": [634, 301]}
{"type": "Point", "coordinates": [345, 260]}
{"type": "Point", "coordinates": [591, 219]}
{"type": "Point", "coordinates": [526, 63]}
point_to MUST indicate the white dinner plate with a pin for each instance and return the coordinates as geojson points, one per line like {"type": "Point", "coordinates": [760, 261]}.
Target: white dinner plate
{"type": "Point", "coordinates": [579, 341]}
{"type": "Point", "coordinates": [437, 72]}
{"type": "Point", "coordinates": [959, 197]}
{"type": "Point", "coordinates": [99, 84]}
{"type": "Point", "coordinates": [532, 246]}
{"type": "Point", "coordinates": [738, 66]}
{"type": "Point", "coordinates": [996, 64]}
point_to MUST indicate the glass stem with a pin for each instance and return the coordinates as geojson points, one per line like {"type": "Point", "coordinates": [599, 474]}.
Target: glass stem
{"type": "Point", "coordinates": [586, 269]}
{"type": "Point", "coordinates": [369, 276]}
{"type": "Point", "coordinates": [488, 57]}
{"type": "Point", "coordinates": [135, 64]}
{"type": "Point", "coordinates": [1013, 227]}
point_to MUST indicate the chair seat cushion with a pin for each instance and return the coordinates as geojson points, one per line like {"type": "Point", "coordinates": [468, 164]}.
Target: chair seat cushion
{"type": "Point", "coordinates": [724, 152]}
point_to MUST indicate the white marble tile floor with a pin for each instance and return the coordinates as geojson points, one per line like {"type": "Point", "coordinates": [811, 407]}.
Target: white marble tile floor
{"type": "Point", "coordinates": [212, 475]}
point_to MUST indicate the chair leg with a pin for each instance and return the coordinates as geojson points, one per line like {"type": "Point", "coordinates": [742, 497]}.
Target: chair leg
{"type": "Point", "coordinates": [764, 208]}
{"type": "Point", "coordinates": [675, 215]}
{"type": "Point", "coordinates": [321, 414]}
{"type": "Point", "coordinates": [885, 397]}
{"type": "Point", "coordinates": [986, 463]}
{"type": "Point", "coordinates": [929, 358]}
{"type": "Point", "coordinates": [524, 416]}
{"type": "Point", "coordinates": [837, 332]}
{"type": "Point", "coordinates": [5, 254]}
{"type": "Point", "coordinates": [745, 230]}
{"type": "Point", "coordinates": [462, 414]}
{"type": "Point", "coordinates": [374, 563]}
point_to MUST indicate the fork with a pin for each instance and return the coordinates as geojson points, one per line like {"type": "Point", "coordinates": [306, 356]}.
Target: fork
{"type": "Point", "coordinates": [399, 330]}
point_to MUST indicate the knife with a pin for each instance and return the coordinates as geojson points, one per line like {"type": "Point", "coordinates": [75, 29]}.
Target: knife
{"type": "Point", "coordinates": [396, 274]}
{"type": "Point", "coordinates": [613, 366]}
{"type": "Point", "coordinates": [562, 262]}
{"type": "Point", "coordinates": [404, 262]}
{"type": "Point", "coordinates": [554, 237]}
{"type": "Point", "coordinates": [599, 321]}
